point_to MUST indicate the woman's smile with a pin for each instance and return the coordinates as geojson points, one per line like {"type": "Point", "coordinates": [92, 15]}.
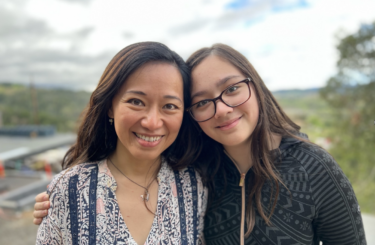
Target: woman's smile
{"type": "Point", "coordinates": [148, 140]}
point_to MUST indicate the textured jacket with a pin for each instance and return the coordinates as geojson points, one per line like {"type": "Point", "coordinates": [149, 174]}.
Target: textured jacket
{"type": "Point", "coordinates": [321, 204]}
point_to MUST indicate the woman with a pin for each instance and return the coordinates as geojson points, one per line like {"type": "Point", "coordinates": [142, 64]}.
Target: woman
{"type": "Point", "coordinates": [120, 187]}
{"type": "Point", "coordinates": [267, 183]}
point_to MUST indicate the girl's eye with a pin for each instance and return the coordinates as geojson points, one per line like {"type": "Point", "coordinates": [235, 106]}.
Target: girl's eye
{"type": "Point", "coordinates": [170, 107]}
{"type": "Point", "coordinates": [202, 103]}
{"type": "Point", "coordinates": [136, 102]}
{"type": "Point", "coordinates": [231, 89]}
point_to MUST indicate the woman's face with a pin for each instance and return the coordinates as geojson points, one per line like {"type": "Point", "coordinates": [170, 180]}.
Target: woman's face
{"type": "Point", "coordinates": [148, 110]}
{"type": "Point", "coordinates": [229, 126]}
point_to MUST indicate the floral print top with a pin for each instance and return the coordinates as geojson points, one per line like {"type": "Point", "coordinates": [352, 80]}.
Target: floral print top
{"type": "Point", "coordinates": [171, 219]}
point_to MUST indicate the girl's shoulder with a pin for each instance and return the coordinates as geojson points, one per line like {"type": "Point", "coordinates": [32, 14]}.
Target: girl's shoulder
{"type": "Point", "coordinates": [308, 154]}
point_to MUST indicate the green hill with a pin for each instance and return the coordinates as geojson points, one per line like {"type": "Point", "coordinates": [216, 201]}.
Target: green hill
{"type": "Point", "coordinates": [57, 107]}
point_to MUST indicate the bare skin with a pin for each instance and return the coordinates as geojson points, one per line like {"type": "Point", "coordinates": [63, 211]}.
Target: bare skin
{"type": "Point", "coordinates": [138, 218]}
{"type": "Point", "coordinates": [41, 207]}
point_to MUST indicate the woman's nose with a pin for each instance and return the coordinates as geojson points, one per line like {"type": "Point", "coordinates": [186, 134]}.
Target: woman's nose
{"type": "Point", "coordinates": [222, 109]}
{"type": "Point", "coordinates": [152, 120]}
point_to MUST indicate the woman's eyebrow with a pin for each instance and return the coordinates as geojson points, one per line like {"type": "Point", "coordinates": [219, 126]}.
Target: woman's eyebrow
{"type": "Point", "coordinates": [135, 92]}
{"type": "Point", "coordinates": [143, 93]}
{"type": "Point", "coordinates": [172, 97]}
{"type": "Point", "coordinates": [218, 84]}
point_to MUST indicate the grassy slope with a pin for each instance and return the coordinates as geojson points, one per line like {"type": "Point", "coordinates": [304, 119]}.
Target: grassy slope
{"type": "Point", "coordinates": [55, 106]}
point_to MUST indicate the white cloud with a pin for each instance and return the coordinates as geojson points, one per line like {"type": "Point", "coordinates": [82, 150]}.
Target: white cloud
{"type": "Point", "coordinates": [294, 48]}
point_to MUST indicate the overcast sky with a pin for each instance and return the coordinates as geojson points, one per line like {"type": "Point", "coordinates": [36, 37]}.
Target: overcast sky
{"type": "Point", "coordinates": [68, 43]}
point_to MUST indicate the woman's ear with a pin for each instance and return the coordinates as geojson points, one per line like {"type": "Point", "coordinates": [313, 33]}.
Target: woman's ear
{"type": "Point", "coordinates": [110, 113]}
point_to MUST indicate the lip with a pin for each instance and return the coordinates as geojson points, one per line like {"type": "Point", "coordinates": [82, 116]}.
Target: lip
{"type": "Point", "coordinates": [145, 143]}
{"type": "Point", "coordinates": [229, 124]}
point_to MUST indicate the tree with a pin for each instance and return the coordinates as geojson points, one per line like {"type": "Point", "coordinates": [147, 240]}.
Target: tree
{"type": "Point", "coordinates": [351, 95]}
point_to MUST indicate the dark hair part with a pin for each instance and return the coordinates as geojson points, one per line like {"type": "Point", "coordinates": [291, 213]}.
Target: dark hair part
{"type": "Point", "coordinates": [272, 120]}
{"type": "Point", "coordinates": [96, 137]}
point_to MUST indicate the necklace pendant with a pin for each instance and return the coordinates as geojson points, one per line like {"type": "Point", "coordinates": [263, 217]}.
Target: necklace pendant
{"type": "Point", "coordinates": [147, 197]}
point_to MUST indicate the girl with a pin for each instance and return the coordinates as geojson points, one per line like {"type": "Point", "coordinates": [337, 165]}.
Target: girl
{"type": "Point", "coordinates": [267, 183]}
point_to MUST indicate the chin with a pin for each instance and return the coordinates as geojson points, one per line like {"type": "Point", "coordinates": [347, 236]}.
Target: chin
{"type": "Point", "coordinates": [232, 142]}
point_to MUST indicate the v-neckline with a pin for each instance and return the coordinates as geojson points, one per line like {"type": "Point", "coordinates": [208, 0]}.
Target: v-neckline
{"type": "Point", "coordinates": [121, 218]}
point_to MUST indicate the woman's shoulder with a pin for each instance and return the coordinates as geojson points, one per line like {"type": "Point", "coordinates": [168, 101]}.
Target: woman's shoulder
{"type": "Point", "coordinates": [185, 172]}
{"type": "Point", "coordinates": [190, 173]}
{"type": "Point", "coordinates": [60, 181]}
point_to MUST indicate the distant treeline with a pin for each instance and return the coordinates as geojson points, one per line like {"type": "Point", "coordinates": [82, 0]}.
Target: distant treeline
{"type": "Point", "coordinates": [62, 108]}
{"type": "Point", "coordinates": [57, 107]}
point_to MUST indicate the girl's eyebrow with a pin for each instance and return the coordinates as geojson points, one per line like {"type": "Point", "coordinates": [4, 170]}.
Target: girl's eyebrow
{"type": "Point", "coordinates": [142, 93]}
{"type": "Point", "coordinates": [224, 80]}
{"type": "Point", "coordinates": [218, 84]}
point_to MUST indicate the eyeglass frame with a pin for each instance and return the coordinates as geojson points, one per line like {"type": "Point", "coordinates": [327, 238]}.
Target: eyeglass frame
{"type": "Point", "coordinates": [246, 80]}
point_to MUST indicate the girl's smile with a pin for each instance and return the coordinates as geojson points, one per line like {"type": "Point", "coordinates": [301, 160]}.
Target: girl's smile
{"type": "Point", "coordinates": [229, 124]}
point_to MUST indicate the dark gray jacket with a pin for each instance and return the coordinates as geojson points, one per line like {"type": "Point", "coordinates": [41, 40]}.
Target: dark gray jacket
{"type": "Point", "coordinates": [322, 205]}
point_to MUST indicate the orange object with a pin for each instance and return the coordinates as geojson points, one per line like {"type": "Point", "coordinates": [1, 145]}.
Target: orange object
{"type": "Point", "coordinates": [2, 170]}
{"type": "Point", "coordinates": [47, 170]}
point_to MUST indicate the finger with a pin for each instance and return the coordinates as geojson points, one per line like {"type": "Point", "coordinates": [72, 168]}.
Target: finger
{"type": "Point", "coordinates": [40, 213]}
{"type": "Point", "coordinates": [37, 221]}
{"type": "Point", "coordinates": [41, 205]}
{"type": "Point", "coordinates": [41, 197]}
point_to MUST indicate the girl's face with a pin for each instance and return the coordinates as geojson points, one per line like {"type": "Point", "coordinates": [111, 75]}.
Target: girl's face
{"type": "Point", "coordinates": [230, 126]}
{"type": "Point", "coordinates": [148, 111]}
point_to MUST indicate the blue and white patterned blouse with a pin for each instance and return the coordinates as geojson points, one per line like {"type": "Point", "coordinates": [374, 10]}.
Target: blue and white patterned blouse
{"type": "Point", "coordinates": [85, 198]}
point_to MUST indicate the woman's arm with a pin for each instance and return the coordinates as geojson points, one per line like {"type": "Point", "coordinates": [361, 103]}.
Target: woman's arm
{"type": "Point", "coordinates": [41, 207]}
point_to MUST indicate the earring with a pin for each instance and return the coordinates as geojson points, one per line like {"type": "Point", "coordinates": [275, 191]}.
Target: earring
{"type": "Point", "coordinates": [111, 121]}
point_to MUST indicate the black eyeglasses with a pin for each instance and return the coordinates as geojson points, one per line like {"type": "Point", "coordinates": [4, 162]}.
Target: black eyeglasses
{"type": "Point", "coordinates": [233, 96]}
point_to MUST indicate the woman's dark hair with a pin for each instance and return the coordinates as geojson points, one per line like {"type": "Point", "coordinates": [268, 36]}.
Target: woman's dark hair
{"type": "Point", "coordinates": [96, 138]}
{"type": "Point", "coordinates": [272, 119]}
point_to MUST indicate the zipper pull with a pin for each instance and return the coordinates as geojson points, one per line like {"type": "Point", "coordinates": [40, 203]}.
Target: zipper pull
{"type": "Point", "coordinates": [242, 179]}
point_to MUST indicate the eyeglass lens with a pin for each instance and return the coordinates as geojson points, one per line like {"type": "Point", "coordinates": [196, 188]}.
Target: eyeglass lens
{"type": "Point", "coordinates": [232, 96]}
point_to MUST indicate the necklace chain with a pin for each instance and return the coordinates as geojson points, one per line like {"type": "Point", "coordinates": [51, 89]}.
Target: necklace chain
{"type": "Point", "coordinates": [147, 194]}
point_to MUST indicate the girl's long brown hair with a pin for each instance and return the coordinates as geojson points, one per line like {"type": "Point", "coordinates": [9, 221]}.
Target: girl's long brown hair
{"type": "Point", "coordinates": [272, 120]}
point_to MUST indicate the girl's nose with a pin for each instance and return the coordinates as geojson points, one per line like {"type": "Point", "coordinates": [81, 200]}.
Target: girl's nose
{"type": "Point", "coordinates": [222, 109]}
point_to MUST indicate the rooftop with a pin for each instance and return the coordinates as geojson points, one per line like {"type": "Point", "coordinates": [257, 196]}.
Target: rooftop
{"type": "Point", "coordinates": [20, 147]}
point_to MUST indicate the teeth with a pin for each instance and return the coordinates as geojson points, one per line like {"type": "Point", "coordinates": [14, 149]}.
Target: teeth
{"type": "Point", "coordinates": [149, 139]}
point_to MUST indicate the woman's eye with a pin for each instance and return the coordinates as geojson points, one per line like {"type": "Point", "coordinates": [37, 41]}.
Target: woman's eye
{"type": "Point", "coordinates": [135, 102]}
{"type": "Point", "coordinates": [170, 107]}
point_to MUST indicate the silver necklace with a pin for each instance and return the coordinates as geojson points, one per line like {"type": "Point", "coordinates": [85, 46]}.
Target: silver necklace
{"type": "Point", "coordinates": [146, 196]}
